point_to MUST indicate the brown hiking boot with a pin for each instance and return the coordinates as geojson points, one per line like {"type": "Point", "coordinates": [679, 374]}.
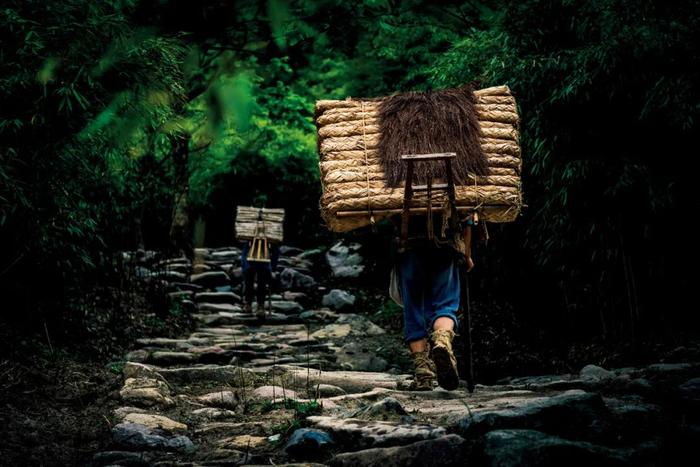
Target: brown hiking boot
{"type": "Point", "coordinates": [444, 359]}
{"type": "Point", "coordinates": [260, 312]}
{"type": "Point", "coordinates": [424, 372]}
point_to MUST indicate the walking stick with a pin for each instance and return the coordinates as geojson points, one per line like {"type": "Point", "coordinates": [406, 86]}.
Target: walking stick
{"type": "Point", "coordinates": [466, 324]}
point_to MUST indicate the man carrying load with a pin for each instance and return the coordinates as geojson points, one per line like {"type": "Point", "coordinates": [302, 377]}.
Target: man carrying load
{"type": "Point", "coordinates": [464, 146]}
{"type": "Point", "coordinates": [429, 285]}
{"type": "Point", "coordinates": [261, 231]}
{"type": "Point", "coordinates": [260, 270]}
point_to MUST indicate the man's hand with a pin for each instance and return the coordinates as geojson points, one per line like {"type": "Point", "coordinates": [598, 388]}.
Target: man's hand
{"type": "Point", "coordinates": [468, 247]}
{"type": "Point", "coordinates": [470, 263]}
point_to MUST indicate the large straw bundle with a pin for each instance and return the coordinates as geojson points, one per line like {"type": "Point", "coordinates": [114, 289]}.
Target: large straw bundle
{"type": "Point", "coordinates": [355, 191]}
{"type": "Point", "coordinates": [248, 223]}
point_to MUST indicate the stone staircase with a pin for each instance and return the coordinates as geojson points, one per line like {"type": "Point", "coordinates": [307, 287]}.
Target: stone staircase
{"type": "Point", "coordinates": [238, 391]}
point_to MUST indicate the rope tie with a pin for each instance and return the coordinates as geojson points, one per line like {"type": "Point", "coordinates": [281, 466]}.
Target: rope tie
{"type": "Point", "coordinates": [364, 149]}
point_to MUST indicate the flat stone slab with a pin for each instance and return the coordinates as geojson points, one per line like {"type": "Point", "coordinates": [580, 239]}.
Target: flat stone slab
{"type": "Point", "coordinates": [360, 434]}
{"type": "Point", "coordinates": [155, 421]}
{"type": "Point", "coordinates": [530, 448]}
{"type": "Point", "coordinates": [572, 413]}
{"type": "Point", "coordinates": [349, 325]}
{"type": "Point", "coordinates": [217, 307]}
{"type": "Point", "coordinates": [217, 297]}
{"type": "Point", "coordinates": [286, 307]}
{"type": "Point", "coordinates": [232, 319]}
{"type": "Point", "coordinates": [349, 381]}
{"type": "Point", "coordinates": [140, 437]}
{"type": "Point", "coordinates": [221, 399]}
{"type": "Point", "coordinates": [172, 358]}
{"type": "Point", "coordinates": [230, 374]}
{"type": "Point", "coordinates": [445, 451]}
{"type": "Point", "coordinates": [146, 392]}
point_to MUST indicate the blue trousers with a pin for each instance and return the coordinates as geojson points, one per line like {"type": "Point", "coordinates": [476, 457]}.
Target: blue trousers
{"type": "Point", "coordinates": [429, 289]}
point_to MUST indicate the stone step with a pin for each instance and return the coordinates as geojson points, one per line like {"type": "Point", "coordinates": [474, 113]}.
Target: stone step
{"type": "Point", "coordinates": [217, 297]}
{"type": "Point", "coordinates": [361, 434]}
{"type": "Point", "coordinates": [206, 307]}
{"type": "Point", "coordinates": [226, 318]}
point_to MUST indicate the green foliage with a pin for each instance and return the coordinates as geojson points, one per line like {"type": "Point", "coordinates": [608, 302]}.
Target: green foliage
{"type": "Point", "coordinates": [111, 111]}
{"type": "Point", "coordinates": [301, 409]}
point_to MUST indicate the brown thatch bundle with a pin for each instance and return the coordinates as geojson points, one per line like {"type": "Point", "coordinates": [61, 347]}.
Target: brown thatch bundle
{"type": "Point", "coordinates": [361, 142]}
{"type": "Point", "coordinates": [430, 122]}
{"type": "Point", "coordinates": [266, 222]}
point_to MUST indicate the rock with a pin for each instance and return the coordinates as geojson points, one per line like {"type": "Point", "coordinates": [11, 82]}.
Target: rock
{"type": "Point", "coordinates": [211, 279]}
{"type": "Point", "coordinates": [290, 251]}
{"type": "Point", "coordinates": [201, 253]}
{"type": "Point", "coordinates": [349, 325]}
{"type": "Point", "coordinates": [180, 295]}
{"type": "Point", "coordinates": [133, 436]}
{"type": "Point", "coordinates": [573, 413]}
{"type": "Point", "coordinates": [386, 409]}
{"type": "Point", "coordinates": [529, 448]}
{"type": "Point", "coordinates": [221, 399]}
{"type": "Point", "coordinates": [338, 299]}
{"type": "Point", "coordinates": [292, 279]}
{"type": "Point", "coordinates": [311, 255]}
{"type": "Point", "coordinates": [445, 451]}
{"type": "Point", "coordinates": [690, 391]}
{"type": "Point", "coordinates": [596, 373]}
{"type": "Point", "coordinates": [121, 458]}
{"type": "Point", "coordinates": [355, 356]}
{"type": "Point", "coordinates": [154, 421]}
{"type": "Point", "coordinates": [139, 370]}
{"type": "Point", "coordinates": [668, 368]}
{"type": "Point", "coordinates": [361, 434]}
{"type": "Point", "coordinates": [344, 260]}
{"type": "Point", "coordinates": [146, 392]}
{"type": "Point", "coordinates": [137, 356]}
{"type": "Point", "coordinates": [640, 386]}
{"type": "Point", "coordinates": [349, 381]}
{"type": "Point", "coordinates": [121, 412]}
{"type": "Point", "coordinates": [170, 276]}
{"type": "Point", "coordinates": [184, 286]}
{"type": "Point", "coordinates": [185, 306]}
{"type": "Point", "coordinates": [172, 358]}
{"type": "Point", "coordinates": [328, 390]}
{"type": "Point", "coordinates": [332, 331]}
{"type": "Point", "coordinates": [212, 413]}
{"type": "Point", "coordinates": [634, 418]}
{"type": "Point", "coordinates": [244, 442]}
{"type": "Point", "coordinates": [219, 307]}
{"type": "Point", "coordinates": [286, 307]}
{"type": "Point", "coordinates": [199, 268]}
{"type": "Point", "coordinates": [217, 297]}
{"type": "Point", "coordinates": [273, 393]}
{"type": "Point", "coordinates": [307, 443]}
{"type": "Point", "coordinates": [226, 255]}
{"type": "Point", "coordinates": [293, 296]}
{"type": "Point", "coordinates": [319, 316]}
{"type": "Point", "coordinates": [360, 325]}
{"type": "Point", "coordinates": [169, 262]}
{"type": "Point", "coordinates": [163, 342]}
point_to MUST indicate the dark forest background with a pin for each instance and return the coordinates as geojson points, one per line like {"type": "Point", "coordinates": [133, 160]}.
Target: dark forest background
{"type": "Point", "coordinates": [116, 115]}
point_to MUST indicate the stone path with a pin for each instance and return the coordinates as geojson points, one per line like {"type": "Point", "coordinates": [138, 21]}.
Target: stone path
{"type": "Point", "coordinates": [241, 392]}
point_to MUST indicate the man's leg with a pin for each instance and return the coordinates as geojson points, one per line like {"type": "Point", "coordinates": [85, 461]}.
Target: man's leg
{"type": "Point", "coordinates": [413, 281]}
{"type": "Point", "coordinates": [444, 299]}
{"type": "Point", "coordinates": [261, 292]}
{"type": "Point", "coordinates": [248, 289]}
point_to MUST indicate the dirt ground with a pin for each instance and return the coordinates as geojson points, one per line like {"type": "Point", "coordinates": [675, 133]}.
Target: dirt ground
{"type": "Point", "coordinates": [54, 410]}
